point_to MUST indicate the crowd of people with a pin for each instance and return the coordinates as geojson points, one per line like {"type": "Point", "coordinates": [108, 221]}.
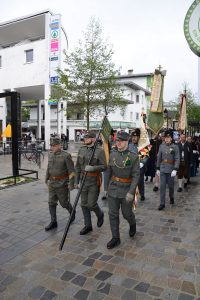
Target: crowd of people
{"type": "Point", "coordinates": [125, 173]}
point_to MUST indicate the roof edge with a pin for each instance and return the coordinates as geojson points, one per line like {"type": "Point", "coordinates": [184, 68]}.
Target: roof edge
{"type": "Point", "coordinates": [26, 17]}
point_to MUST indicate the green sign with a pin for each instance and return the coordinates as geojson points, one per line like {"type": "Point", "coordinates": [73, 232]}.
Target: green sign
{"type": "Point", "coordinates": [52, 102]}
{"type": "Point", "coordinates": [106, 129]}
{"type": "Point", "coordinates": [192, 27]}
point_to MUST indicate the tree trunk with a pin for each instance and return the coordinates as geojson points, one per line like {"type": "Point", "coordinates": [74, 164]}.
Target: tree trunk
{"type": "Point", "coordinates": [88, 117]}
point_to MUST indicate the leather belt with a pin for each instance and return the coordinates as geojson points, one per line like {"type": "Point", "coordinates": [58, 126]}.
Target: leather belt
{"type": "Point", "coordinates": [124, 180]}
{"type": "Point", "coordinates": [96, 174]}
{"type": "Point", "coordinates": [171, 162]}
{"type": "Point", "coordinates": [60, 177]}
{"type": "Point", "coordinates": [92, 173]}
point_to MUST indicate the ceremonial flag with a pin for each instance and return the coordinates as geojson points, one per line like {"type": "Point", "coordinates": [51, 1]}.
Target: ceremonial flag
{"type": "Point", "coordinates": [155, 116]}
{"type": "Point", "coordinates": [182, 122]}
{"type": "Point", "coordinates": [144, 138]}
{"type": "Point", "coordinates": [106, 131]}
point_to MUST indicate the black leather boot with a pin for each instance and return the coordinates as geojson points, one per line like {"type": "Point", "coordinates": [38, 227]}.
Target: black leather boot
{"type": "Point", "coordinates": [114, 242]}
{"type": "Point", "coordinates": [74, 213]}
{"type": "Point", "coordinates": [53, 224]}
{"type": "Point", "coordinates": [100, 220]}
{"type": "Point", "coordinates": [161, 207]}
{"type": "Point", "coordinates": [85, 230]}
{"type": "Point", "coordinates": [132, 230]}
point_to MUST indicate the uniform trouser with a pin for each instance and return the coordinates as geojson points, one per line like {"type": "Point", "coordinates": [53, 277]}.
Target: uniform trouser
{"type": "Point", "coordinates": [127, 212]}
{"type": "Point", "coordinates": [59, 194]}
{"type": "Point", "coordinates": [165, 178]}
{"type": "Point", "coordinates": [141, 182]}
{"type": "Point", "coordinates": [89, 198]}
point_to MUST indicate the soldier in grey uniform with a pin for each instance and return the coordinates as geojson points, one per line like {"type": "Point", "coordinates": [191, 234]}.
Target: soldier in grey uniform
{"type": "Point", "coordinates": [167, 165]}
{"type": "Point", "coordinates": [60, 179]}
{"type": "Point", "coordinates": [123, 175]}
{"type": "Point", "coordinates": [91, 188]}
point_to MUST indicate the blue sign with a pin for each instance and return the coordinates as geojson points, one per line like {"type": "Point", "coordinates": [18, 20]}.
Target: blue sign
{"type": "Point", "coordinates": [54, 79]}
{"type": "Point", "coordinates": [54, 58]}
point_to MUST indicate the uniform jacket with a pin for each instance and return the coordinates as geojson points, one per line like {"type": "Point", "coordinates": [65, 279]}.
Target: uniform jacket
{"type": "Point", "coordinates": [59, 164]}
{"type": "Point", "coordinates": [99, 161]}
{"type": "Point", "coordinates": [123, 165]}
{"type": "Point", "coordinates": [168, 153]}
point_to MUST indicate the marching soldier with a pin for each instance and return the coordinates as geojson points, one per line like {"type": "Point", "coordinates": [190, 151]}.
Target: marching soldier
{"type": "Point", "coordinates": [91, 188]}
{"type": "Point", "coordinates": [123, 175]}
{"type": "Point", "coordinates": [60, 179]}
{"type": "Point", "coordinates": [167, 165]}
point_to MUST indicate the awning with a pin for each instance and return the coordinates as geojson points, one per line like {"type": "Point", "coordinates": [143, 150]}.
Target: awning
{"type": "Point", "coordinates": [7, 132]}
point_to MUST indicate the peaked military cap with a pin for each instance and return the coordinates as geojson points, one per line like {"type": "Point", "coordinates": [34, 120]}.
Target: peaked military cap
{"type": "Point", "coordinates": [55, 140]}
{"type": "Point", "coordinates": [89, 134]}
{"type": "Point", "coordinates": [168, 133]}
{"type": "Point", "coordinates": [122, 136]}
{"type": "Point", "coordinates": [135, 132]}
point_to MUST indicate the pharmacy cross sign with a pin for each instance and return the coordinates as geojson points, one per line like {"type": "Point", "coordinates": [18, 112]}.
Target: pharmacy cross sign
{"type": "Point", "coordinates": [54, 34]}
{"type": "Point", "coordinates": [192, 27]}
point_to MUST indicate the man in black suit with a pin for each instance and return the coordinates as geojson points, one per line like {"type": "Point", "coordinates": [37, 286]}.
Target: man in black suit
{"type": "Point", "coordinates": [185, 162]}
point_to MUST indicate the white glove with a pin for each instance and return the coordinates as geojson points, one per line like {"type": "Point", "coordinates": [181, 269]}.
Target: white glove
{"type": "Point", "coordinates": [173, 173]}
{"type": "Point", "coordinates": [141, 165]}
{"type": "Point", "coordinates": [158, 173]}
{"type": "Point", "coordinates": [89, 168]}
{"type": "Point", "coordinates": [129, 197]}
{"type": "Point", "coordinates": [194, 151]}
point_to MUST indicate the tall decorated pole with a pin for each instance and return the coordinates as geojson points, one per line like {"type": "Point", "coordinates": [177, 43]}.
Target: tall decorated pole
{"type": "Point", "coordinates": [182, 122]}
{"type": "Point", "coordinates": [155, 116]}
{"type": "Point", "coordinates": [192, 33]}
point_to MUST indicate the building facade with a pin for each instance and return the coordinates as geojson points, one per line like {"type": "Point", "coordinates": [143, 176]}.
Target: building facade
{"type": "Point", "coordinates": [30, 52]}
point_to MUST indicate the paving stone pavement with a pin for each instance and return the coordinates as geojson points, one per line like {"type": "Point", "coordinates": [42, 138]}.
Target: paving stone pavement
{"type": "Point", "coordinates": [161, 262]}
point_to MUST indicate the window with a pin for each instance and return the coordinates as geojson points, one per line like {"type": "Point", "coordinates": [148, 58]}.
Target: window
{"type": "Point", "coordinates": [29, 55]}
{"type": "Point", "coordinates": [131, 116]}
{"type": "Point", "coordinates": [137, 116]}
{"type": "Point", "coordinates": [137, 98]}
{"type": "Point", "coordinates": [0, 62]}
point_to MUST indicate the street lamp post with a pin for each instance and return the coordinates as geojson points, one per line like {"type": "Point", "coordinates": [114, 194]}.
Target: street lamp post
{"type": "Point", "coordinates": [166, 113]}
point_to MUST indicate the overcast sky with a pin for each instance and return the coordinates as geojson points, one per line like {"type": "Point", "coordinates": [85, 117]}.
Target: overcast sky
{"type": "Point", "coordinates": [144, 33]}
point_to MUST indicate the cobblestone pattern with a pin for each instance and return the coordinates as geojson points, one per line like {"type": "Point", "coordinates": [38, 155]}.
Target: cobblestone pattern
{"type": "Point", "coordinates": [161, 262]}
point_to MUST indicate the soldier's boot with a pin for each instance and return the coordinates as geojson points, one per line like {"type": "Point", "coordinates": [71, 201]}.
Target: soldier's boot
{"type": "Point", "coordinates": [132, 230]}
{"type": "Point", "coordinates": [114, 242]}
{"type": "Point", "coordinates": [70, 211]}
{"type": "Point", "coordinates": [53, 224]}
{"type": "Point", "coordinates": [87, 220]}
{"type": "Point", "coordinates": [100, 216]}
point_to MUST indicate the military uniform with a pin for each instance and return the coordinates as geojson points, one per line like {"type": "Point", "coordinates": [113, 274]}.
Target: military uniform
{"type": "Point", "coordinates": [123, 175]}
{"type": "Point", "coordinates": [167, 163]}
{"type": "Point", "coordinates": [60, 178]}
{"type": "Point", "coordinates": [91, 188]}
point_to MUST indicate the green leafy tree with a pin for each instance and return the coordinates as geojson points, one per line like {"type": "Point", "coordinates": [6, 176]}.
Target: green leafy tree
{"type": "Point", "coordinates": [89, 79]}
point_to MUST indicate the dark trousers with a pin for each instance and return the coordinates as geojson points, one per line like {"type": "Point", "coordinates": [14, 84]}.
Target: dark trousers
{"type": "Point", "coordinates": [141, 181]}
{"type": "Point", "coordinates": [114, 205]}
{"type": "Point", "coordinates": [165, 178]}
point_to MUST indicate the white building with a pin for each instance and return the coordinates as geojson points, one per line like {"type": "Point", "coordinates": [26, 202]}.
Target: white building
{"type": "Point", "coordinates": [30, 52]}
